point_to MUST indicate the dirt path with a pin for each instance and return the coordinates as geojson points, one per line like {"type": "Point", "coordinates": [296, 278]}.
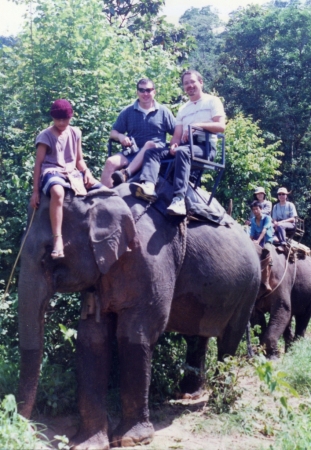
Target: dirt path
{"type": "Point", "coordinates": [190, 425]}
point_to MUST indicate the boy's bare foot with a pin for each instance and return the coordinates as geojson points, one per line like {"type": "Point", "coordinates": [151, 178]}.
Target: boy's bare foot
{"type": "Point", "coordinates": [58, 250]}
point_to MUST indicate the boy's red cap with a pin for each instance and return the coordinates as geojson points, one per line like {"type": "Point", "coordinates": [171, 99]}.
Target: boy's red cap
{"type": "Point", "coordinates": [61, 109]}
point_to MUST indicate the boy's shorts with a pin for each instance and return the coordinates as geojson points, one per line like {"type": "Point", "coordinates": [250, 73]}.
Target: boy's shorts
{"type": "Point", "coordinates": [51, 179]}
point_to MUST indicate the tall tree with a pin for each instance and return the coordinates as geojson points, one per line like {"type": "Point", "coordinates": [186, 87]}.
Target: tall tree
{"type": "Point", "coordinates": [266, 74]}
{"type": "Point", "coordinates": [204, 24]}
{"type": "Point", "coordinates": [266, 71]}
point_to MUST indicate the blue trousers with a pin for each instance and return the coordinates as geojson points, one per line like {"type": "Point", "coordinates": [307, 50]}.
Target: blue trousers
{"type": "Point", "coordinates": [152, 162]}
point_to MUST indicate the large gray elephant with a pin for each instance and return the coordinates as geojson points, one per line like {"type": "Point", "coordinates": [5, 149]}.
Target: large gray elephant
{"type": "Point", "coordinates": [290, 297]}
{"type": "Point", "coordinates": [148, 273]}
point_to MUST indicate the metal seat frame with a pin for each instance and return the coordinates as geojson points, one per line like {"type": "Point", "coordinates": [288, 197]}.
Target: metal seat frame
{"type": "Point", "coordinates": [200, 164]}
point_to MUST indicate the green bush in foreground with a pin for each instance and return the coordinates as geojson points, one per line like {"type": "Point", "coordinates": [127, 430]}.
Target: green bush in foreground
{"type": "Point", "coordinates": [16, 432]}
{"type": "Point", "coordinates": [297, 366]}
{"type": "Point", "coordinates": [295, 433]}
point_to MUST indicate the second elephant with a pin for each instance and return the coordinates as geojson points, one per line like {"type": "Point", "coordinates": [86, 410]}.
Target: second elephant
{"type": "Point", "coordinates": [290, 297]}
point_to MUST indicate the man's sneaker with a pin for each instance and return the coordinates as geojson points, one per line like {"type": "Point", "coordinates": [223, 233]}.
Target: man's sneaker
{"type": "Point", "coordinates": [146, 192]}
{"type": "Point", "coordinates": [119, 177]}
{"type": "Point", "coordinates": [177, 207]}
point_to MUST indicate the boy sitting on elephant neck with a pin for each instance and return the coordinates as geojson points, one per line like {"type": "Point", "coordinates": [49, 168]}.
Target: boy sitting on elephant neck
{"type": "Point", "coordinates": [59, 163]}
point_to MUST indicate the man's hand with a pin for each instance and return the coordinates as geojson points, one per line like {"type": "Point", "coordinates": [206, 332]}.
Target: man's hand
{"type": "Point", "coordinates": [35, 200]}
{"type": "Point", "coordinates": [88, 179]}
{"type": "Point", "coordinates": [185, 136]}
{"type": "Point", "coordinates": [124, 140]}
{"type": "Point", "coordinates": [173, 149]}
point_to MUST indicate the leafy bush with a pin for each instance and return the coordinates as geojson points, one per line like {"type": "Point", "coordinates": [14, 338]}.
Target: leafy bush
{"type": "Point", "coordinates": [167, 366]}
{"type": "Point", "coordinates": [16, 432]}
{"type": "Point", "coordinates": [224, 384]}
{"type": "Point", "coordinates": [296, 363]}
{"type": "Point", "coordinates": [295, 433]}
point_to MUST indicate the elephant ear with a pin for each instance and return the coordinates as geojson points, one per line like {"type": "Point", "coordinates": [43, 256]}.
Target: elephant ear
{"type": "Point", "coordinates": [112, 230]}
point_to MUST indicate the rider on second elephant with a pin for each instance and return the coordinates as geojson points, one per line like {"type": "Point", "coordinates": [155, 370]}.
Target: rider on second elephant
{"type": "Point", "coordinates": [261, 233]}
{"type": "Point", "coordinates": [284, 215]}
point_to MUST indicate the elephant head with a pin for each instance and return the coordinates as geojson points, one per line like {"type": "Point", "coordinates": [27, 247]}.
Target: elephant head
{"type": "Point", "coordinates": [112, 230]}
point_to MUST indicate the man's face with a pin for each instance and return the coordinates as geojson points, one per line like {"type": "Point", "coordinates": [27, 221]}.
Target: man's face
{"type": "Point", "coordinates": [148, 93]}
{"type": "Point", "coordinates": [192, 86]}
{"type": "Point", "coordinates": [257, 211]}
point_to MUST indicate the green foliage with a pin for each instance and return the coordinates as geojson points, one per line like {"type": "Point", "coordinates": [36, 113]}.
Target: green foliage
{"type": "Point", "coordinates": [224, 384]}
{"type": "Point", "coordinates": [296, 363]}
{"type": "Point", "coordinates": [266, 72]}
{"type": "Point", "coordinates": [57, 391]}
{"type": "Point", "coordinates": [202, 24]}
{"type": "Point", "coordinates": [265, 66]}
{"type": "Point", "coordinates": [167, 366]}
{"type": "Point", "coordinates": [16, 432]}
{"type": "Point", "coordinates": [131, 11]}
{"type": "Point", "coordinates": [275, 381]}
{"type": "Point", "coordinates": [249, 163]}
{"type": "Point", "coordinates": [295, 433]}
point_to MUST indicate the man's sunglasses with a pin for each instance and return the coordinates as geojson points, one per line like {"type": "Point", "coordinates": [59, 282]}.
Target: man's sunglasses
{"type": "Point", "coordinates": [281, 194]}
{"type": "Point", "coordinates": [143, 90]}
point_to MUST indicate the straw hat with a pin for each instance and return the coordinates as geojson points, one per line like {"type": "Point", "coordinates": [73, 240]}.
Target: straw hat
{"type": "Point", "coordinates": [283, 190]}
{"type": "Point", "coordinates": [260, 190]}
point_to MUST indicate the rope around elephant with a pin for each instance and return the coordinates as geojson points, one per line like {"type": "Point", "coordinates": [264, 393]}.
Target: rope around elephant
{"type": "Point", "coordinates": [17, 258]}
{"type": "Point", "coordinates": [286, 267]}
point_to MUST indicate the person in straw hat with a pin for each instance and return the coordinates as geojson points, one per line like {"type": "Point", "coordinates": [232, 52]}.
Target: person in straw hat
{"type": "Point", "coordinates": [266, 206]}
{"type": "Point", "coordinates": [283, 215]}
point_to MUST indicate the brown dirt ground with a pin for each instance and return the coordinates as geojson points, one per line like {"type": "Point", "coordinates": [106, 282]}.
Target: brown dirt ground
{"type": "Point", "coordinates": [189, 425]}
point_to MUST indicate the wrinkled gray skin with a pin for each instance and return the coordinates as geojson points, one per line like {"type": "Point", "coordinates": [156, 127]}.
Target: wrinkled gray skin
{"type": "Point", "coordinates": [139, 297]}
{"type": "Point", "coordinates": [291, 299]}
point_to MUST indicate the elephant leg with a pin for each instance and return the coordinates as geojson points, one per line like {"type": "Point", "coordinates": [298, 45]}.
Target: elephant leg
{"type": "Point", "coordinates": [280, 316]}
{"type": "Point", "coordinates": [33, 297]}
{"type": "Point", "coordinates": [302, 322]}
{"type": "Point", "coordinates": [135, 362]}
{"type": "Point", "coordinates": [93, 364]}
{"type": "Point", "coordinates": [288, 336]}
{"type": "Point", "coordinates": [137, 334]}
{"type": "Point", "coordinates": [193, 382]}
{"type": "Point", "coordinates": [232, 334]}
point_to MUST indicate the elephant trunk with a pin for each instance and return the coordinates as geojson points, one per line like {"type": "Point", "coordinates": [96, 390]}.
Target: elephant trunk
{"type": "Point", "coordinates": [29, 376]}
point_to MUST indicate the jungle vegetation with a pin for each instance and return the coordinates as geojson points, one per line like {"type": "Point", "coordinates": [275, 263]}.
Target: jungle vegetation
{"type": "Point", "coordinates": [92, 52]}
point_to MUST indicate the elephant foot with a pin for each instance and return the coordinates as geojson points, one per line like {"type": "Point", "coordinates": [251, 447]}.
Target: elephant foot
{"type": "Point", "coordinates": [130, 433]}
{"type": "Point", "coordinates": [84, 440]}
{"type": "Point", "coordinates": [193, 396]}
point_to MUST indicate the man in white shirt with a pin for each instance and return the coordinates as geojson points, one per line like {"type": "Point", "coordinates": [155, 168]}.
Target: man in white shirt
{"type": "Point", "coordinates": [202, 110]}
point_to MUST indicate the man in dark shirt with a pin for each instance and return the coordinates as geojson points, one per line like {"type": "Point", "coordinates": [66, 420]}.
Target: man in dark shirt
{"type": "Point", "coordinates": [147, 122]}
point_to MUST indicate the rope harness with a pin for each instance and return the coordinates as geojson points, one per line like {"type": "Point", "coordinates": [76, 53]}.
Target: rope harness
{"type": "Point", "coordinates": [286, 267]}
{"type": "Point", "coordinates": [18, 255]}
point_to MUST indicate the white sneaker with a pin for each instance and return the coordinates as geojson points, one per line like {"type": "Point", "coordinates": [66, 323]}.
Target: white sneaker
{"type": "Point", "coordinates": [146, 191]}
{"type": "Point", "coordinates": [177, 207]}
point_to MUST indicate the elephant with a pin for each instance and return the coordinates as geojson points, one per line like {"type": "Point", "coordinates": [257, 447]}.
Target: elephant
{"type": "Point", "coordinates": [145, 273]}
{"type": "Point", "coordinates": [290, 297]}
